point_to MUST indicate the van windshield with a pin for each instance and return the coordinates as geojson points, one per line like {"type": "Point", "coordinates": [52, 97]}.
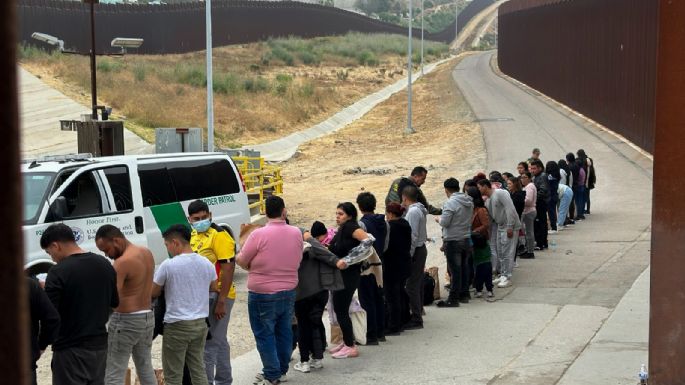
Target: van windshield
{"type": "Point", "coordinates": [36, 185]}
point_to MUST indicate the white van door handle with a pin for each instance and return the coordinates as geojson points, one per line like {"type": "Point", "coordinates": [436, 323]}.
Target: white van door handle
{"type": "Point", "coordinates": [139, 225]}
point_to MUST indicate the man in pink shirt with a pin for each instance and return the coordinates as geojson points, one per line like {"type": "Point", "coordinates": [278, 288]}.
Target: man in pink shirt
{"type": "Point", "coordinates": [272, 255]}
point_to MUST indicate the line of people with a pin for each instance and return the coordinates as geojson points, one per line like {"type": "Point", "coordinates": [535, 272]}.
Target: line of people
{"type": "Point", "coordinates": [292, 273]}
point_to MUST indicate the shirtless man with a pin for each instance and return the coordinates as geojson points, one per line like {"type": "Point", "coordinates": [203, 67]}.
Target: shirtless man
{"type": "Point", "coordinates": [132, 323]}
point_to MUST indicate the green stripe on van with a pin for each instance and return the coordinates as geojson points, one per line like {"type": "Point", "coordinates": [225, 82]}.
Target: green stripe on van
{"type": "Point", "coordinates": [168, 214]}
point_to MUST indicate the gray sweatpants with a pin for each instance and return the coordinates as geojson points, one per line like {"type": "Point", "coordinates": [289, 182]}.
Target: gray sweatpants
{"type": "Point", "coordinates": [130, 335]}
{"type": "Point", "coordinates": [506, 249]}
{"type": "Point", "coordinates": [218, 351]}
{"type": "Point", "coordinates": [529, 223]}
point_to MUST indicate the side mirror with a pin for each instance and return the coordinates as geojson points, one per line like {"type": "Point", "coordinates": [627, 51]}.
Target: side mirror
{"type": "Point", "coordinates": [58, 210]}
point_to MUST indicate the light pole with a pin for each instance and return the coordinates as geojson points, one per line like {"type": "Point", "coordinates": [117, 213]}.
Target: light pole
{"type": "Point", "coordinates": [422, 13]}
{"type": "Point", "coordinates": [410, 129]}
{"type": "Point", "coordinates": [210, 83]}
{"type": "Point", "coordinates": [93, 78]}
{"type": "Point", "coordinates": [456, 23]}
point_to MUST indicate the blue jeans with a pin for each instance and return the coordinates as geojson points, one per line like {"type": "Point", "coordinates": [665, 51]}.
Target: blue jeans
{"type": "Point", "coordinates": [564, 204]}
{"type": "Point", "coordinates": [271, 319]}
{"type": "Point", "coordinates": [579, 196]}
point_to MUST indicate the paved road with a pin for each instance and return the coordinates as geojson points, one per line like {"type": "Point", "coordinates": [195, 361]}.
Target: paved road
{"type": "Point", "coordinates": [42, 107]}
{"type": "Point", "coordinates": [540, 327]}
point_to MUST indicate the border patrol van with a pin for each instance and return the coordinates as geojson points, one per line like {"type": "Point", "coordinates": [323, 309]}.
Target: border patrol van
{"type": "Point", "coordinates": [141, 195]}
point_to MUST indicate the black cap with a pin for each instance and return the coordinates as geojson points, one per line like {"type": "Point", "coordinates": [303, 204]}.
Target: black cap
{"type": "Point", "coordinates": [318, 229]}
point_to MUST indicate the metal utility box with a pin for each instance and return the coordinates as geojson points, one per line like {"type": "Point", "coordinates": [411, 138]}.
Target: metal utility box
{"type": "Point", "coordinates": [100, 138]}
{"type": "Point", "coordinates": [169, 140]}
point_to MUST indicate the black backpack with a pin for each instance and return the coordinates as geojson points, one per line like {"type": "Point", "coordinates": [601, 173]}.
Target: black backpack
{"type": "Point", "coordinates": [428, 289]}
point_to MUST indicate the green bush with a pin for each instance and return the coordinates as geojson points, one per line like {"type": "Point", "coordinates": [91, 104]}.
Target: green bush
{"type": "Point", "coordinates": [139, 72]}
{"type": "Point", "coordinates": [258, 84]}
{"type": "Point", "coordinates": [191, 74]}
{"type": "Point", "coordinates": [309, 58]}
{"type": "Point", "coordinates": [367, 58]}
{"type": "Point", "coordinates": [282, 55]}
{"type": "Point", "coordinates": [107, 65]}
{"type": "Point", "coordinates": [284, 78]}
{"type": "Point", "coordinates": [227, 84]}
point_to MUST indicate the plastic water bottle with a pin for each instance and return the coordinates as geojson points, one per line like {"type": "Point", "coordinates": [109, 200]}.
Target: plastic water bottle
{"type": "Point", "coordinates": [643, 374]}
{"type": "Point", "coordinates": [553, 245]}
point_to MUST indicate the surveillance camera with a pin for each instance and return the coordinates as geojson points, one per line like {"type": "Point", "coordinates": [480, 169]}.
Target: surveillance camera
{"type": "Point", "coordinates": [49, 39]}
{"type": "Point", "coordinates": [126, 42]}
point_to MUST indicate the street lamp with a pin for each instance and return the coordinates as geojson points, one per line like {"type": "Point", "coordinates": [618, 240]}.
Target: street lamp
{"type": "Point", "coordinates": [422, 15]}
{"type": "Point", "coordinates": [126, 42]}
{"type": "Point", "coordinates": [48, 39]}
{"type": "Point", "coordinates": [409, 129]}
{"type": "Point", "coordinates": [119, 42]}
{"type": "Point", "coordinates": [210, 80]}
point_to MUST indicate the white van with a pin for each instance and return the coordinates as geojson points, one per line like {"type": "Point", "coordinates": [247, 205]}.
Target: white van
{"type": "Point", "coordinates": [141, 195]}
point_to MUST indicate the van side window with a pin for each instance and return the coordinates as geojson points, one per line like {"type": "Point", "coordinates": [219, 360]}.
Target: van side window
{"type": "Point", "coordinates": [155, 184]}
{"type": "Point", "coordinates": [120, 184]}
{"type": "Point", "coordinates": [198, 179]}
{"type": "Point", "coordinates": [83, 197]}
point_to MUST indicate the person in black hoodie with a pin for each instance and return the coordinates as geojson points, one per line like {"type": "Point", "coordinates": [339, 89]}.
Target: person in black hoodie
{"type": "Point", "coordinates": [318, 273]}
{"type": "Point", "coordinates": [553, 179]}
{"type": "Point", "coordinates": [396, 268]}
{"type": "Point", "coordinates": [370, 295]}
{"type": "Point", "coordinates": [542, 184]}
{"type": "Point", "coordinates": [575, 176]}
{"type": "Point", "coordinates": [44, 323]}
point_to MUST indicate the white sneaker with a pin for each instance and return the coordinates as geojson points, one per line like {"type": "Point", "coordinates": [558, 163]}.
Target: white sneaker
{"type": "Point", "coordinates": [496, 280]}
{"type": "Point", "coordinates": [479, 294]}
{"type": "Point", "coordinates": [302, 367]}
{"type": "Point", "coordinates": [490, 294]}
{"type": "Point", "coordinates": [516, 264]}
{"type": "Point", "coordinates": [316, 364]}
{"type": "Point", "coordinates": [552, 232]}
{"type": "Point", "coordinates": [504, 282]}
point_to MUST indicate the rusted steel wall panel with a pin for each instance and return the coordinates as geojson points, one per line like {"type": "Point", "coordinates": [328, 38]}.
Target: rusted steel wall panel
{"type": "Point", "coordinates": [179, 28]}
{"type": "Point", "coordinates": [667, 297]}
{"type": "Point", "coordinates": [14, 322]}
{"type": "Point", "coordinates": [595, 56]}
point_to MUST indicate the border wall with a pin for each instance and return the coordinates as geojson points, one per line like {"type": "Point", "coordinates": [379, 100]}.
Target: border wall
{"type": "Point", "coordinates": [180, 28]}
{"type": "Point", "coordinates": [598, 57]}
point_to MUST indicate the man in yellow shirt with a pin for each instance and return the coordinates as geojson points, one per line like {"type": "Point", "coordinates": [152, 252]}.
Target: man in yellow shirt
{"type": "Point", "coordinates": [215, 244]}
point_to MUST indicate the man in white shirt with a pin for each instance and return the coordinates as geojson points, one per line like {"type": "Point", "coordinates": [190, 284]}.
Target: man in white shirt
{"type": "Point", "coordinates": [187, 279]}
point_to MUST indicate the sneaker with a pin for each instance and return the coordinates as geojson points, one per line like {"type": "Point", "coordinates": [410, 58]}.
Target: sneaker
{"type": "Point", "coordinates": [347, 352]}
{"type": "Point", "coordinates": [382, 339]}
{"type": "Point", "coordinates": [490, 294]}
{"type": "Point", "coordinates": [259, 379]}
{"type": "Point", "coordinates": [479, 294]}
{"type": "Point", "coordinates": [516, 264]}
{"type": "Point", "coordinates": [372, 342]}
{"type": "Point", "coordinates": [496, 280]}
{"type": "Point", "coordinates": [504, 282]}
{"type": "Point", "coordinates": [537, 248]}
{"type": "Point", "coordinates": [316, 364]}
{"type": "Point", "coordinates": [266, 382]}
{"type": "Point", "coordinates": [337, 348]}
{"type": "Point", "coordinates": [464, 298]}
{"type": "Point", "coordinates": [447, 304]}
{"type": "Point", "coordinates": [528, 256]}
{"type": "Point", "coordinates": [552, 232]}
{"type": "Point", "coordinates": [302, 367]}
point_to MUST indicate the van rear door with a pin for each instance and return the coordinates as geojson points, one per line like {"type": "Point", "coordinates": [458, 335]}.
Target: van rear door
{"type": "Point", "coordinates": [95, 195]}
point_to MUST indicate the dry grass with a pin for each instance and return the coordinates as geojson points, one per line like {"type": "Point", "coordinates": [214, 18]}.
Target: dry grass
{"type": "Point", "coordinates": [262, 91]}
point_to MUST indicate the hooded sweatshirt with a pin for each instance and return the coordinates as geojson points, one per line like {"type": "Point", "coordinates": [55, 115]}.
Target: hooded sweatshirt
{"type": "Point", "coordinates": [416, 216]}
{"type": "Point", "coordinates": [502, 210]}
{"type": "Point", "coordinates": [456, 217]}
{"type": "Point", "coordinates": [375, 225]}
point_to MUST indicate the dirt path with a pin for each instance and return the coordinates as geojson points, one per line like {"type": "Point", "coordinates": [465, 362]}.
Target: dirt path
{"type": "Point", "coordinates": [447, 142]}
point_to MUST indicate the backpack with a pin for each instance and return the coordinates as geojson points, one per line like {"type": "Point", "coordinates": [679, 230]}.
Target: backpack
{"type": "Point", "coordinates": [428, 289]}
